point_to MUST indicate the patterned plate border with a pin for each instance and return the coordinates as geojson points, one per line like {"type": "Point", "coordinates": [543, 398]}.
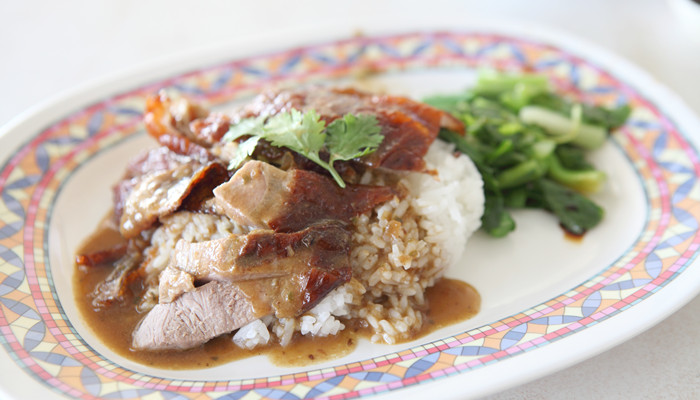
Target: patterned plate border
{"type": "Point", "coordinates": [39, 338]}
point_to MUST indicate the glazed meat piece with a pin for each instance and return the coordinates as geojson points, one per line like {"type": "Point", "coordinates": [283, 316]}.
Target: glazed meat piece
{"type": "Point", "coordinates": [198, 316]}
{"type": "Point", "coordinates": [261, 195]}
{"type": "Point", "coordinates": [158, 159]}
{"type": "Point", "coordinates": [249, 277]}
{"type": "Point", "coordinates": [210, 129]}
{"type": "Point", "coordinates": [161, 160]}
{"type": "Point", "coordinates": [113, 287]}
{"type": "Point", "coordinates": [265, 253]}
{"type": "Point", "coordinates": [163, 192]}
{"type": "Point", "coordinates": [409, 127]}
{"type": "Point", "coordinates": [302, 266]}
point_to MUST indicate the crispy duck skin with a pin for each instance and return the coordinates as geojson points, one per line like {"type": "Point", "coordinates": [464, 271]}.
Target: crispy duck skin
{"type": "Point", "coordinates": [101, 257]}
{"type": "Point", "coordinates": [264, 196]}
{"type": "Point", "coordinates": [161, 160]}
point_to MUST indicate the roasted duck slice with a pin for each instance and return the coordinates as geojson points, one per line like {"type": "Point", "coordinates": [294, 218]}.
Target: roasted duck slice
{"type": "Point", "coordinates": [162, 192]}
{"type": "Point", "coordinates": [302, 266]}
{"type": "Point", "coordinates": [113, 287]}
{"type": "Point", "coordinates": [198, 316]}
{"type": "Point", "coordinates": [265, 253]}
{"type": "Point", "coordinates": [168, 121]}
{"type": "Point", "coordinates": [249, 276]}
{"type": "Point", "coordinates": [263, 196]}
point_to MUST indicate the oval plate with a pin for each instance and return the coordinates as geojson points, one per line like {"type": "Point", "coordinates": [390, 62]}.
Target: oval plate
{"type": "Point", "coordinates": [547, 302]}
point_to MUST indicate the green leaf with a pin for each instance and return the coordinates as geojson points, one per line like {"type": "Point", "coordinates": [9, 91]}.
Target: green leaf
{"type": "Point", "coordinates": [577, 214]}
{"type": "Point", "coordinates": [248, 126]}
{"type": "Point", "coordinates": [306, 134]}
{"type": "Point", "coordinates": [496, 220]}
{"type": "Point", "coordinates": [243, 151]}
{"type": "Point", "coordinates": [303, 133]}
{"type": "Point", "coordinates": [352, 136]}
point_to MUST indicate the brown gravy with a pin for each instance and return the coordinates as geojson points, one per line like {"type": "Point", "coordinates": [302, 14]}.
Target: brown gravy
{"type": "Point", "coordinates": [450, 300]}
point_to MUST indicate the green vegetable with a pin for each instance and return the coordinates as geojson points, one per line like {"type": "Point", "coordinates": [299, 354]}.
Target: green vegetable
{"type": "Point", "coordinates": [351, 137]}
{"type": "Point", "coordinates": [529, 145]}
{"type": "Point", "coordinates": [581, 180]}
{"type": "Point", "coordinates": [343, 139]}
{"type": "Point", "coordinates": [576, 213]}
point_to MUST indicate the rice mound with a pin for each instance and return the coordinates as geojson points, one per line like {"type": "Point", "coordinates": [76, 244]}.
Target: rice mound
{"type": "Point", "coordinates": [399, 249]}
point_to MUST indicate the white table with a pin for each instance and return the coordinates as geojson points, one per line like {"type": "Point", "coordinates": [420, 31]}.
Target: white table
{"type": "Point", "coordinates": [50, 47]}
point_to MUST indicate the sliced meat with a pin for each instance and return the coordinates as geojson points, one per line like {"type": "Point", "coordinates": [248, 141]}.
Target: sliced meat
{"type": "Point", "coordinates": [151, 161]}
{"type": "Point", "coordinates": [218, 307]}
{"type": "Point", "coordinates": [105, 245]}
{"type": "Point", "coordinates": [156, 160]}
{"type": "Point", "coordinates": [409, 127]}
{"type": "Point", "coordinates": [113, 287]}
{"type": "Point", "coordinates": [198, 316]}
{"type": "Point", "coordinates": [163, 192]}
{"type": "Point", "coordinates": [103, 256]}
{"type": "Point", "coordinates": [261, 195]}
{"type": "Point", "coordinates": [295, 270]}
{"type": "Point", "coordinates": [265, 253]}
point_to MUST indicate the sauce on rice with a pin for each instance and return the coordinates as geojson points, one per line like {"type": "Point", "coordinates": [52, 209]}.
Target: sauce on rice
{"type": "Point", "coordinates": [450, 301]}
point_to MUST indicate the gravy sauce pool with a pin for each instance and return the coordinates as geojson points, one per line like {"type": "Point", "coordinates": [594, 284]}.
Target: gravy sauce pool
{"type": "Point", "coordinates": [451, 301]}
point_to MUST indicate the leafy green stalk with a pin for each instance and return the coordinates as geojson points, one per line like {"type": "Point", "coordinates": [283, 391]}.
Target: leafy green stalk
{"type": "Point", "coordinates": [584, 181]}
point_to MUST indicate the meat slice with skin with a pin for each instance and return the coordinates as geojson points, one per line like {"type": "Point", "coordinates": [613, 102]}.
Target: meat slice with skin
{"type": "Point", "coordinates": [197, 316]}
{"type": "Point", "coordinates": [408, 127]}
{"type": "Point", "coordinates": [263, 196]}
{"type": "Point", "coordinates": [299, 268]}
{"type": "Point", "coordinates": [265, 253]}
{"type": "Point", "coordinates": [165, 163]}
{"type": "Point", "coordinates": [249, 276]}
{"type": "Point", "coordinates": [162, 192]}
{"type": "Point", "coordinates": [113, 287]}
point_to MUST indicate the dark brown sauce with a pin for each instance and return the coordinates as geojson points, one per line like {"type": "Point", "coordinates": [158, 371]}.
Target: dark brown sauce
{"type": "Point", "coordinates": [450, 300]}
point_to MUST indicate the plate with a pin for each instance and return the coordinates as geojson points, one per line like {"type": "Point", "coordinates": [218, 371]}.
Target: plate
{"type": "Point", "coordinates": [547, 302]}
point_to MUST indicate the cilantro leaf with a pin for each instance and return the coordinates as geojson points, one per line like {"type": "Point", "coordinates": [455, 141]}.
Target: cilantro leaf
{"type": "Point", "coordinates": [352, 136]}
{"type": "Point", "coordinates": [248, 126]}
{"type": "Point", "coordinates": [244, 150]}
{"type": "Point", "coordinates": [303, 133]}
{"type": "Point", "coordinates": [344, 139]}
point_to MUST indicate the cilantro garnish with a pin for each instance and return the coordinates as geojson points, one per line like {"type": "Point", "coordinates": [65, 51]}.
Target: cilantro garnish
{"type": "Point", "coordinates": [344, 139]}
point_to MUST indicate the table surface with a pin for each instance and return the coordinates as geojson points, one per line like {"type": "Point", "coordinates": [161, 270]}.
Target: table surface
{"type": "Point", "coordinates": [51, 47]}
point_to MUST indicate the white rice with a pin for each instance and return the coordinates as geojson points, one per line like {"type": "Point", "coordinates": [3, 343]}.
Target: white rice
{"type": "Point", "coordinates": [452, 203]}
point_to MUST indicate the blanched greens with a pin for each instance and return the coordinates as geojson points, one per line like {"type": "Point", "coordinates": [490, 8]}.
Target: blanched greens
{"type": "Point", "coordinates": [529, 145]}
